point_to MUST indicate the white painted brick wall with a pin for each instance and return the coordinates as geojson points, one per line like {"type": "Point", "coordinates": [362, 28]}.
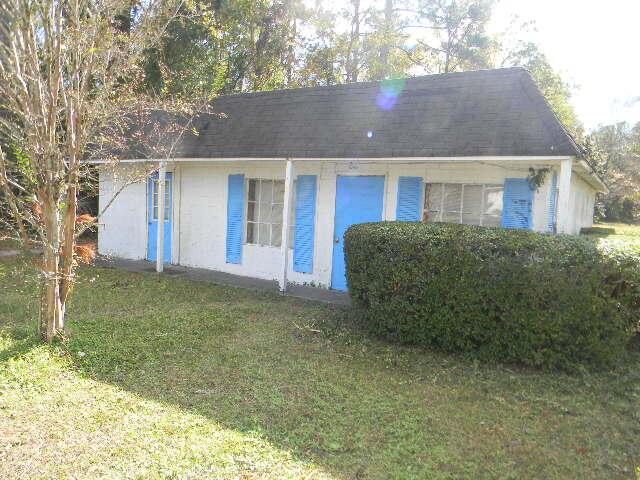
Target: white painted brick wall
{"type": "Point", "coordinates": [122, 230]}
{"type": "Point", "coordinates": [582, 202]}
{"type": "Point", "coordinates": [200, 203]}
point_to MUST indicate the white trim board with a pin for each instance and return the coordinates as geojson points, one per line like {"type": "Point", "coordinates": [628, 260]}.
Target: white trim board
{"type": "Point", "coordinates": [583, 169]}
{"type": "Point", "coordinates": [343, 159]}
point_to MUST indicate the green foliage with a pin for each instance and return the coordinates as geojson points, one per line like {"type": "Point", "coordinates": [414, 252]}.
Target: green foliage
{"type": "Point", "coordinates": [220, 47]}
{"type": "Point", "coordinates": [515, 296]}
{"type": "Point", "coordinates": [621, 208]}
{"type": "Point", "coordinates": [615, 152]}
{"type": "Point", "coordinates": [459, 39]}
{"type": "Point", "coordinates": [536, 177]}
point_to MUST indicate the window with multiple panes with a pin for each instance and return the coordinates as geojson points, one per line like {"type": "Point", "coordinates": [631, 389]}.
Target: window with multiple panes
{"type": "Point", "coordinates": [265, 205]}
{"type": "Point", "coordinates": [475, 204]}
{"type": "Point", "coordinates": [154, 199]}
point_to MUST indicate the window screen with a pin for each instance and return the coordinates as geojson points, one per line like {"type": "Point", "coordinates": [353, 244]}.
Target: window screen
{"type": "Point", "coordinates": [492, 197]}
{"type": "Point", "coordinates": [475, 204]}
{"type": "Point", "coordinates": [451, 203]}
{"type": "Point", "coordinates": [472, 204]}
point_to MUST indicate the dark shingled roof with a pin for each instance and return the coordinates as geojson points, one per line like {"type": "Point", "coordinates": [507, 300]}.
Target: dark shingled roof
{"type": "Point", "coordinates": [489, 112]}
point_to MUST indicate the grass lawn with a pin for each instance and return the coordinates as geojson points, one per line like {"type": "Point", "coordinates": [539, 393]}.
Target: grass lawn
{"type": "Point", "coordinates": [8, 244]}
{"type": "Point", "coordinates": [616, 235]}
{"type": "Point", "coordinates": [167, 378]}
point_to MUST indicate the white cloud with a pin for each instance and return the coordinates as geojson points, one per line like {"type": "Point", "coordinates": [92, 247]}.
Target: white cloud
{"type": "Point", "coordinates": [631, 102]}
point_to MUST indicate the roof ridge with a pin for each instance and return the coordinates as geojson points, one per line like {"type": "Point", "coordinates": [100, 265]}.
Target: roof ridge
{"type": "Point", "coordinates": [372, 83]}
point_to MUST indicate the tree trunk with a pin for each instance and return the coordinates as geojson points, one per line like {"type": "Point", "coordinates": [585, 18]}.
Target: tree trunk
{"type": "Point", "coordinates": [291, 44]}
{"type": "Point", "coordinates": [69, 239]}
{"type": "Point", "coordinates": [353, 57]}
{"type": "Point", "coordinates": [388, 35]}
{"type": "Point", "coordinates": [52, 304]}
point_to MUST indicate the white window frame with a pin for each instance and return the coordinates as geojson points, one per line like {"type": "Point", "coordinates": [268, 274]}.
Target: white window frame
{"type": "Point", "coordinates": [155, 183]}
{"type": "Point", "coordinates": [484, 186]}
{"type": "Point", "coordinates": [257, 203]}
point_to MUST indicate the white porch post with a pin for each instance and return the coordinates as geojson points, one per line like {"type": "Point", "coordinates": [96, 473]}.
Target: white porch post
{"type": "Point", "coordinates": [162, 175]}
{"type": "Point", "coordinates": [284, 244]}
{"type": "Point", "coordinates": [564, 193]}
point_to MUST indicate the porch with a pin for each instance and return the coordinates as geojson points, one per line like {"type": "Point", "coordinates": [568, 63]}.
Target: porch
{"type": "Point", "coordinates": [283, 219]}
{"type": "Point", "coordinates": [305, 292]}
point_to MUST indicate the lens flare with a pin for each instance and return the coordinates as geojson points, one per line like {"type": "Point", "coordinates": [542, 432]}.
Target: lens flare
{"type": "Point", "coordinates": [390, 91]}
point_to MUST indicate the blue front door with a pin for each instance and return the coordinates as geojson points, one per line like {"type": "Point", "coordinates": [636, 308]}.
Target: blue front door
{"type": "Point", "coordinates": [152, 216]}
{"type": "Point", "coordinates": [358, 200]}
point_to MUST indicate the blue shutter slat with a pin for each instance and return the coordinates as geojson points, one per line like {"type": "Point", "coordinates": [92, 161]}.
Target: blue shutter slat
{"type": "Point", "coordinates": [409, 208]}
{"type": "Point", "coordinates": [553, 202]}
{"type": "Point", "coordinates": [305, 224]}
{"type": "Point", "coordinates": [517, 204]}
{"type": "Point", "coordinates": [235, 218]}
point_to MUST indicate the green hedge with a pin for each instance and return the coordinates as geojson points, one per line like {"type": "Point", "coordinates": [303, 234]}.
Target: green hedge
{"type": "Point", "coordinates": [551, 301]}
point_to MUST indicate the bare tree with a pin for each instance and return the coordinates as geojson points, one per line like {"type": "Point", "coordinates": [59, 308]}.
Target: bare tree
{"type": "Point", "coordinates": [387, 32]}
{"type": "Point", "coordinates": [459, 38]}
{"type": "Point", "coordinates": [353, 50]}
{"type": "Point", "coordinates": [69, 82]}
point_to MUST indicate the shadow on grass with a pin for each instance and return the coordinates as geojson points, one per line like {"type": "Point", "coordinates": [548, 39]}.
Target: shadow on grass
{"type": "Point", "coordinates": [296, 373]}
{"type": "Point", "coordinates": [18, 307]}
{"type": "Point", "coordinates": [18, 347]}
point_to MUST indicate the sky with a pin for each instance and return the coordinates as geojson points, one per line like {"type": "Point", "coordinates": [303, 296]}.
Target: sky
{"type": "Point", "coordinates": [595, 45]}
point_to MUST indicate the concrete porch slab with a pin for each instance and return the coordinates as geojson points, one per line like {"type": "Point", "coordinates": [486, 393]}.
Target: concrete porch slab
{"type": "Point", "coordinates": [221, 278]}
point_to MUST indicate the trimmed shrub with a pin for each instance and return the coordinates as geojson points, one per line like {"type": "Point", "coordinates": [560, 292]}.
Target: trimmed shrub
{"type": "Point", "coordinates": [550, 301]}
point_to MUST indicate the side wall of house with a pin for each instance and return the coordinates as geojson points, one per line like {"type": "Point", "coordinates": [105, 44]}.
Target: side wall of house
{"type": "Point", "coordinates": [582, 203]}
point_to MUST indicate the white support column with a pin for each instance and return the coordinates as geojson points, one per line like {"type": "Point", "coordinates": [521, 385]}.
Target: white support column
{"type": "Point", "coordinates": [162, 175]}
{"type": "Point", "coordinates": [284, 244]}
{"type": "Point", "coordinates": [176, 193]}
{"type": "Point", "coordinates": [564, 194]}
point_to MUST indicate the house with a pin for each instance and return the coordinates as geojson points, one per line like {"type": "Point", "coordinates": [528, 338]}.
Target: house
{"type": "Point", "coordinates": [268, 189]}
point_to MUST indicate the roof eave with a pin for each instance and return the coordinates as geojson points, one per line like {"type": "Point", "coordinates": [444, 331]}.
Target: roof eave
{"type": "Point", "coordinates": [588, 173]}
{"type": "Point", "coordinates": [452, 159]}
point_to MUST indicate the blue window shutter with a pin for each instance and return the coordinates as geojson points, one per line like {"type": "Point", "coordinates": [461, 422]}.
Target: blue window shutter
{"type": "Point", "coordinates": [235, 218]}
{"type": "Point", "coordinates": [409, 208]}
{"type": "Point", "coordinates": [553, 204]}
{"type": "Point", "coordinates": [517, 204]}
{"type": "Point", "coordinates": [305, 224]}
